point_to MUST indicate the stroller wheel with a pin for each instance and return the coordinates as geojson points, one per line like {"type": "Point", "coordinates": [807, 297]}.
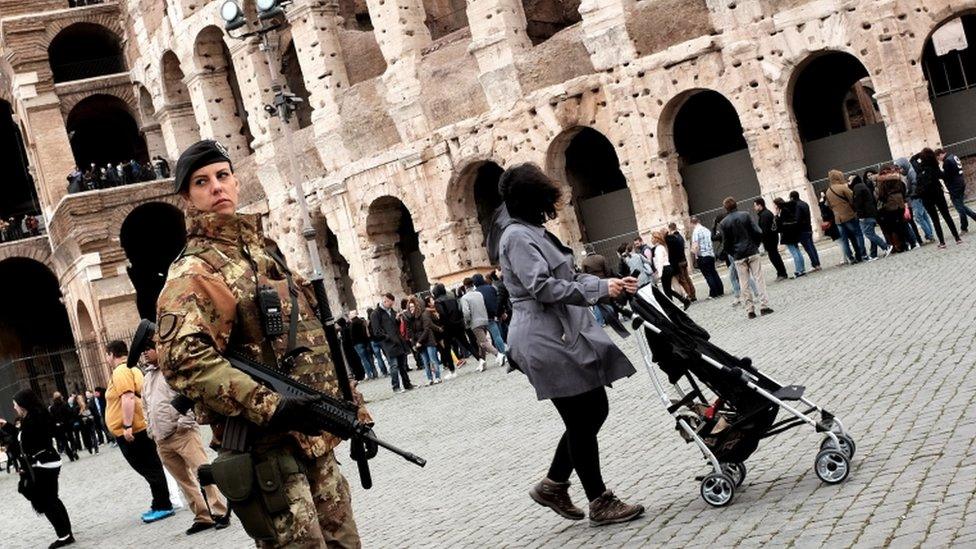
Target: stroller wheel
{"type": "Point", "coordinates": [846, 444]}
{"type": "Point", "coordinates": [736, 471]}
{"type": "Point", "coordinates": [717, 489]}
{"type": "Point", "coordinates": [832, 466]}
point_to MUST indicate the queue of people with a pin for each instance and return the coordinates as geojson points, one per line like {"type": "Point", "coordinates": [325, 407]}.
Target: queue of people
{"type": "Point", "coordinates": [441, 330]}
{"type": "Point", "coordinates": [16, 227]}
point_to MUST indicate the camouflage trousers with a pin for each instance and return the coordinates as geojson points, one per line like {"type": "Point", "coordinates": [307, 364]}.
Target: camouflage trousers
{"type": "Point", "coordinates": [320, 508]}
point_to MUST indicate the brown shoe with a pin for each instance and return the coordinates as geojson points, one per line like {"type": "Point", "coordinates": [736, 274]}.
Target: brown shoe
{"type": "Point", "coordinates": [608, 509]}
{"type": "Point", "coordinates": [555, 495]}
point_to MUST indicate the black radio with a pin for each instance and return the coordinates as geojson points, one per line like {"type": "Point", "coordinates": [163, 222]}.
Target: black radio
{"type": "Point", "coordinates": [269, 306]}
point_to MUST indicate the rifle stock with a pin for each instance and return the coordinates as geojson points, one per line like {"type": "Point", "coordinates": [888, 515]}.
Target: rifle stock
{"type": "Point", "coordinates": [335, 416]}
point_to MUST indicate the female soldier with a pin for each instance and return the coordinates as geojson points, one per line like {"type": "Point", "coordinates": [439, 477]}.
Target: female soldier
{"type": "Point", "coordinates": [215, 299]}
{"type": "Point", "coordinates": [555, 340]}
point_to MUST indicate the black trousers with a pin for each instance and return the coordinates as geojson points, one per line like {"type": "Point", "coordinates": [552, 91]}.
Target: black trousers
{"type": "Point", "coordinates": [667, 274]}
{"type": "Point", "coordinates": [578, 448]}
{"type": "Point", "coordinates": [45, 500]}
{"type": "Point", "coordinates": [141, 455]}
{"type": "Point", "coordinates": [771, 245]}
{"type": "Point", "coordinates": [936, 205]}
{"type": "Point", "coordinates": [706, 264]}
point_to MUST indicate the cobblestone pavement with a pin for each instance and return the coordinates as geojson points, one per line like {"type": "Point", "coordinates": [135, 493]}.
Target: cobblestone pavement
{"type": "Point", "coordinates": [889, 346]}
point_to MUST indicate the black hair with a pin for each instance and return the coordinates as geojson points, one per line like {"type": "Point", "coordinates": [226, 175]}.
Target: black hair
{"type": "Point", "coordinates": [29, 401]}
{"type": "Point", "coordinates": [438, 290]}
{"type": "Point", "coordinates": [794, 195]}
{"type": "Point", "coordinates": [390, 296]}
{"type": "Point", "coordinates": [117, 348]}
{"type": "Point", "coordinates": [529, 194]}
{"type": "Point", "coordinates": [760, 201]}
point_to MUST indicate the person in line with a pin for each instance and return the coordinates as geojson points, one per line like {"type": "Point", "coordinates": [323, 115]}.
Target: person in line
{"type": "Point", "coordinates": [555, 341]}
{"type": "Point", "coordinates": [866, 210]}
{"type": "Point", "coordinates": [39, 479]}
{"type": "Point", "coordinates": [955, 182]}
{"type": "Point", "coordinates": [770, 237]}
{"type": "Point", "coordinates": [704, 252]}
{"type": "Point", "coordinates": [359, 336]}
{"type": "Point", "coordinates": [921, 222]}
{"type": "Point", "coordinates": [742, 236]}
{"type": "Point", "coordinates": [98, 407]}
{"type": "Point", "coordinates": [595, 264]}
{"type": "Point", "coordinates": [804, 224]}
{"type": "Point", "coordinates": [504, 303]}
{"type": "Point", "coordinates": [64, 420]}
{"type": "Point", "coordinates": [423, 336]}
{"type": "Point", "coordinates": [789, 233]}
{"type": "Point", "coordinates": [86, 425]}
{"type": "Point", "coordinates": [488, 292]}
{"type": "Point", "coordinates": [384, 325]}
{"type": "Point", "coordinates": [382, 361]}
{"type": "Point", "coordinates": [178, 443]}
{"type": "Point", "coordinates": [476, 319]}
{"type": "Point", "coordinates": [127, 422]}
{"type": "Point", "coordinates": [929, 176]}
{"type": "Point", "coordinates": [451, 317]}
{"type": "Point", "coordinates": [679, 260]}
{"type": "Point", "coordinates": [893, 209]}
{"type": "Point", "coordinates": [724, 255]}
{"type": "Point", "coordinates": [663, 268]}
{"type": "Point", "coordinates": [841, 201]}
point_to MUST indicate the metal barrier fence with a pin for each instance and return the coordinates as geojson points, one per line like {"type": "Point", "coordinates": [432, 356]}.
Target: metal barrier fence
{"type": "Point", "coordinates": [67, 72]}
{"type": "Point", "coordinates": [69, 370]}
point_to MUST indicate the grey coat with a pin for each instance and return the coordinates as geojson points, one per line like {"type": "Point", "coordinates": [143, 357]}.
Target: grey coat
{"type": "Point", "coordinates": [474, 310]}
{"type": "Point", "coordinates": [553, 338]}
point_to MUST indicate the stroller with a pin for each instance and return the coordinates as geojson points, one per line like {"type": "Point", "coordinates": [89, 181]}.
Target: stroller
{"type": "Point", "coordinates": [728, 429]}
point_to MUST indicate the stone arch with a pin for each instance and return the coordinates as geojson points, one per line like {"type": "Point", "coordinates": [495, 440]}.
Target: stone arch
{"type": "Point", "coordinates": [951, 77]}
{"type": "Point", "coordinates": [174, 89]}
{"type": "Point", "coordinates": [338, 283]}
{"type": "Point", "coordinates": [89, 348]}
{"type": "Point", "coordinates": [85, 50]}
{"type": "Point", "coordinates": [86, 326]}
{"type": "Point", "coordinates": [215, 83]}
{"type": "Point", "coordinates": [395, 245]}
{"type": "Point", "coordinates": [445, 16]}
{"type": "Point", "coordinates": [20, 194]}
{"type": "Point", "coordinates": [36, 249]}
{"type": "Point", "coordinates": [152, 236]}
{"type": "Point", "coordinates": [711, 165]}
{"type": "Point", "coordinates": [34, 354]}
{"type": "Point", "coordinates": [472, 194]}
{"type": "Point", "coordinates": [587, 165]}
{"type": "Point", "coordinates": [544, 18]}
{"type": "Point", "coordinates": [102, 129]}
{"type": "Point", "coordinates": [291, 70]}
{"type": "Point", "coordinates": [147, 110]}
{"type": "Point", "coordinates": [817, 94]}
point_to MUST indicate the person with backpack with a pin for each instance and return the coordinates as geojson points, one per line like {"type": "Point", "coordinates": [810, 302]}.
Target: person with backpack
{"type": "Point", "coordinates": [866, 209]}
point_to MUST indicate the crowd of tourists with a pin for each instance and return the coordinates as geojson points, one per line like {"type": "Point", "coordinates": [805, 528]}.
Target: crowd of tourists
{"type": "Point", "coordinates": [17, 227]}
{"type": "Point", "coordinates": [440, 330]}
{"type": "Point", "coordinates": [115, 175]}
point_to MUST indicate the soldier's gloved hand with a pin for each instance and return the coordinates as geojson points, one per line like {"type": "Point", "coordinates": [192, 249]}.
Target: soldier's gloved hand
{"type": "Point", "coordinates": [367, 448]}
{"type": "Point", "coordinates": [292, 415]}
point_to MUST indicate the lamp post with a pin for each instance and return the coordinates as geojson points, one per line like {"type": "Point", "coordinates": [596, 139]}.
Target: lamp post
{"type": "Point", "coordinates": [271, 19]}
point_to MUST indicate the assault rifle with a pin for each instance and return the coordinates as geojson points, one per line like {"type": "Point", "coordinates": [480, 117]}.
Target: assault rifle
{"type": "Point", "coordinates": [335, 416]}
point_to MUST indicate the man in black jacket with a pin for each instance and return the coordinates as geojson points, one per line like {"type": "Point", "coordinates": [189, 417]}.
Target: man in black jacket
{"type": "Point", "coordinates": [741, 237]}
{"type": "Point", "coordinates": [64, 417]}
{"type": "Point", "coordinates": [384, 326]}
{"type": "Point", "coordinates": [805, 224]}
{"type": "Point", "coordinates": [955, 182]}
{"type": "Point", "coordinates": [770, 237]}
{"type": "Point", "coordinates": [452, 319]}
{"type": "Point", "coordinates": [675, 244]}
{"type": "Point", "coordinates": [361, 344]}
{"type": "Point", "coordinates": [866, 209]}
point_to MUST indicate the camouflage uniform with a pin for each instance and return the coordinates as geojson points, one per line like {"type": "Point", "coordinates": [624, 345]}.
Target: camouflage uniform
{"type": "Point", "coordinates": [208, 305]}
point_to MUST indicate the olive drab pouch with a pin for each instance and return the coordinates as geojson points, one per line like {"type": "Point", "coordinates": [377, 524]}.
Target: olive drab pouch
{"type": "Point", "coordinates": [235, 476]}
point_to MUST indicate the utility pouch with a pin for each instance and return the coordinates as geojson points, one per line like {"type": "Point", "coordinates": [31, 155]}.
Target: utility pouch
{"type": "Point", "coordinates": [234, 474]}
{"type": "Point", "coordinates": [272, 485]}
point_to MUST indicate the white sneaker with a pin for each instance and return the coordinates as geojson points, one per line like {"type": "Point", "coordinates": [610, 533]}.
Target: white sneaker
{"type": "Point", "coordinates": [438, 380]}
{"type": "Point", "coordinates": [481, 365]}
{"type": "Point", "coordinates": [398, 391]}
{"type": "Point", "coordinates": [736, 303]}
{"type": "Point", "coordinates": [888, 251]}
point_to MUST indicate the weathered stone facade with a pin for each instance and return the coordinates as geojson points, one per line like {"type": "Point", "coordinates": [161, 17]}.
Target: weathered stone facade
{"type": "Point", "coordinates": [409, 98]}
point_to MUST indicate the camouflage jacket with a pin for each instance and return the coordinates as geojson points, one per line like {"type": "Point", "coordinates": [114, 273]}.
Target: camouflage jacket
{"type": "Point", "coordinates": [208, 304]}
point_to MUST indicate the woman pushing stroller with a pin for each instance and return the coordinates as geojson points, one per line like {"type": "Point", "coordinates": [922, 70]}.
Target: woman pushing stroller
{"type": "Point", "coordinates": [556, 342]}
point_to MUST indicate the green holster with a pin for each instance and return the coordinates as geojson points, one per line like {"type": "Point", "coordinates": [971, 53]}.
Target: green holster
{"type": "Point", "coordinates": [255, 488]}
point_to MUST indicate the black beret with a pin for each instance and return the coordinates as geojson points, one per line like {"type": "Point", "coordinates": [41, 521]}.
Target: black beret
{"type": "Point", "coordinates": [200, 154]}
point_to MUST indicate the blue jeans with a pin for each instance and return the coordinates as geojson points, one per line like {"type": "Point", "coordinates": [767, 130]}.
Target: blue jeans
{"type": "Point", "coordinates": [496, 336]}
{"type": "Point", "coordinates": [964, 211]}
{"type": "Point", "coordinates": [867, 228]}
{"type": "Point", "coordinates": [850, 233]}
{"type": "Point", "coordinates": [922, 218]}
{"type": "Point", "coordinates": [598, 314]}
{"type": "Point", "coordinates": [366, 357]}
{"type": "Point", "coordinates": [734, 280]}
{"type": "Point", "coordinates": [380, 358]}
{"type": "Point", "coordinates": [799, 267]}
{"type": "Point", "coordinates": [432, 362]}
{"type": "Point", "coordinates": [806, 240]}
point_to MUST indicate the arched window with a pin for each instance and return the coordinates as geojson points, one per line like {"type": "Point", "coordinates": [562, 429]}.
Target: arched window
{"type": "Point", "coordinates": [949, 64]}
{"type": "Point", "coordinates": [85, 50]}
{"type": "Point", "coordinates": [102, 130]}
{"type": "Point", "coordinates": [389, 225]}
{"type": "Point", "coordinates": [19, 194]}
